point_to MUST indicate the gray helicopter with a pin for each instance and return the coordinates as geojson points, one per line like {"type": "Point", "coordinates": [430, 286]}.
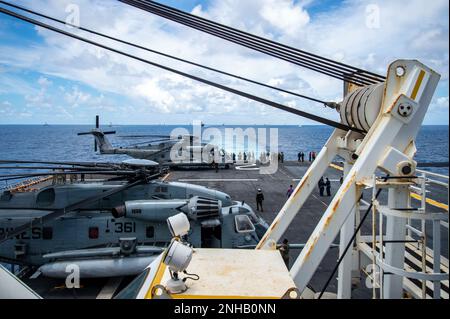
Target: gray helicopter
{"type": "Point", "coordinates": [114, 226]}
{"type": "Point", "coordinates": [159, 149]}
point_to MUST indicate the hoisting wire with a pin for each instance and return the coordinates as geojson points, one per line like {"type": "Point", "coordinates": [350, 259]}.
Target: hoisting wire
{"type": "Point", "coordinates": [293, 55]}
{"type": "Point", "coordinates": [257, 46]}
{"type": "Point", "coordinates": [192, 77]}
{"type": "Point", "coordinates": [329, 104]}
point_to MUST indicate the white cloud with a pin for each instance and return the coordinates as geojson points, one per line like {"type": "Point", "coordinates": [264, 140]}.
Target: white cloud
{"type": "Point", "coordinates": [76, 97]}
{"type": "Point", "coordinates": [44, 82]}
{"type": "Point", "coordinates": [441, 104]}
{"type": "Point", "coordinates": [25, 114]}
{"type": "Point", "coordinates": [41, 98]}
{"type": "Point", "coordinates": [341, 34]}
{"type": "Point", "coordinates": [6, 108]}
{"type": "Point", "coordinates": [14, 84]}
{"type": "Point", "coordinates": [152, 91]}
{"type": "Point", "coordinates": [64, 113]}
{"type": "Point", "coordinates": [285, 16]}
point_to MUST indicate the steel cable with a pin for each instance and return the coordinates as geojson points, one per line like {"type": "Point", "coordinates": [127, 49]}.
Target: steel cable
{"type": "Point", "coordinates": [278, 53]}
{"type": "Point", "coordinates": [298, 51]}
{"type": "Point", "coordinates": [263, 45]}
{"type": "Point", "coordinates": [165, 54]}
{"type": "Point", "coordinates": [202, 80]}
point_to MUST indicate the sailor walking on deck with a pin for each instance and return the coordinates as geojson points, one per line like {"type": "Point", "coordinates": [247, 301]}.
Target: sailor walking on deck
{"type": "Point", "coordinates": [289, 191]}
{"type": "Point", "coordinates": [259, 200]}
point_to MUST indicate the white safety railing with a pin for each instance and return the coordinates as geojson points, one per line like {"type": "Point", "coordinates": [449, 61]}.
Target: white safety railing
{"type": "Point", "coordinates": [417, 269]}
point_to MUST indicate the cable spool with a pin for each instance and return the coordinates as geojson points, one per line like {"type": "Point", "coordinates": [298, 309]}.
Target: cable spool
{"type": "Point", "coordinates": [361, 107]}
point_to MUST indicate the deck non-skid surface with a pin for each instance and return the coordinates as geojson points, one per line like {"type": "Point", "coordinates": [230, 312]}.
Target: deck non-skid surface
{"type": "Point", "coordinates": [232, 273]}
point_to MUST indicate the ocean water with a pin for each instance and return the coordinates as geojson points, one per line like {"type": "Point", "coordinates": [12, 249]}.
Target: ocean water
{"type": "Point", "coordinates": [61, 143]}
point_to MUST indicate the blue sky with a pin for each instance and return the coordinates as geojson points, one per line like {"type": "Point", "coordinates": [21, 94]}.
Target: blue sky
{"type": "Point", "coordinates": [45, 77]}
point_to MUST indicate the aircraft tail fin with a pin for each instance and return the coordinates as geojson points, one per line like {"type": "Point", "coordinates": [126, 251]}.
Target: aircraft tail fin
{"type": "Point", "coordinates": [100, 139]}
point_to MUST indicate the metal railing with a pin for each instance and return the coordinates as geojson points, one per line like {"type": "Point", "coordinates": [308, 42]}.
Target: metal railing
{"type": "Point", "coordinates": [416, 272]}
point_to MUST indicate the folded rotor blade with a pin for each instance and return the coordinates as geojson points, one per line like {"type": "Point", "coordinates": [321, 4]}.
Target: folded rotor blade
{"type": "Point", "coordinates": [83, 203]}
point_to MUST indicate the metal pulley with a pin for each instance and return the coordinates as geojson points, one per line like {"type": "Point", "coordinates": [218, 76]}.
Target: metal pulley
{"type": "Point", "coordinates": [362, 106]}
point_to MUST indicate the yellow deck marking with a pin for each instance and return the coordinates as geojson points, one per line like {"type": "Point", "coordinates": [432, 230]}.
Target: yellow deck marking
{"type": "Point", "coordinates": [157, 280]}
{"type": "Point", "coordinates": [429, 201]}
{"type": "Point", "coordinates": [339, 168]}
{"type": "Point", "coordinates": [418, 84]}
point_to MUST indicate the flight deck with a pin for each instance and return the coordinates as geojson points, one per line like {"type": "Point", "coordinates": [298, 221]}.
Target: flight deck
{"type": "Point", "coordinates": [242, 185]}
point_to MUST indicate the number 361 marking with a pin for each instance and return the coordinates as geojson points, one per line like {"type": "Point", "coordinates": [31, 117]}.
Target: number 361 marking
{"type": "Point", "coordinates": [125, 227]}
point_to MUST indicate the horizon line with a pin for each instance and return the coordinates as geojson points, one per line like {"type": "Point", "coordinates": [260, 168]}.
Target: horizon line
{"type": "Point", "coordinates": [178, 124]}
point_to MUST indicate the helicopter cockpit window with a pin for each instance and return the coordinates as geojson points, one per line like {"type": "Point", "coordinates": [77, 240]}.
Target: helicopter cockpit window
{"type": "Point", "coordinates": [254, 218]}
{"type": "Point", "coordinates": [244, 224]}
{"type": "Point", "coordinates": [238, 210]}
{"type": "Point", "coordinates": [243, 210]}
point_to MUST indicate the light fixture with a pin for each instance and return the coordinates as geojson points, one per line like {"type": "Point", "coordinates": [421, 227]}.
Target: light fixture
{"type": "Point", "coordinates": [177, 258]}
{"type": "Point", "coordinates": [179, 225]}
